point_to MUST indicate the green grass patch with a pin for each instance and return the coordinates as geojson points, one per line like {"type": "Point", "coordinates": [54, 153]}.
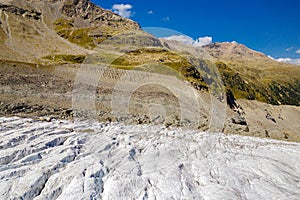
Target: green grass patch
{"type": "Point", "coordinates": [60, 58]}
{"type": "Point", "coordinates": [87, 37]}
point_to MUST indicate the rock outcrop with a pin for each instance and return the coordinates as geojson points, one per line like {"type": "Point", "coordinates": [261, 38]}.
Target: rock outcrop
{"type": "Point", "coordinates": [21, 12]}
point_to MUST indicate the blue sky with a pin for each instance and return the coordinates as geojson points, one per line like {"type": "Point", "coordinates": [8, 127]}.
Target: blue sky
{"type": "Point", "coordinates": [269, 26]}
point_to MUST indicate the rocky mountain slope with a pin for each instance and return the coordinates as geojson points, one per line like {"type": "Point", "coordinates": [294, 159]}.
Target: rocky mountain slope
{"type": "Point", "coordinates": [252, 75]}
{"type": "Point", "coordinates": [47, 44]}
{"type": "Point", "coordinates": [246, 73]}
{"type": "Point", "coordinates": [32, 30]}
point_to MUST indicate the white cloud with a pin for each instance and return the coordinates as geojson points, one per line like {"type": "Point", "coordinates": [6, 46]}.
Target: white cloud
{"type": "Point", "coordinates": [123, 10]}
{"type": "Point", "coordinates": [166, 19]}
{"type": "Point", "coordinates": [287, 60]}
{"type": "Point", "coordinates": [298, 51]}
{"type": "Point", "coordinates": [201, 41]}
{"type": "Point", "coordinates": [150, 12]}
{"type": "Point", "coordinates": [181, 38]}
{"type": "Point", "coordinates": [188, 40]}
{"type": "Point", "coordinates": [283, 60]}
{"type": "Point", "coordinates": [289, 49]}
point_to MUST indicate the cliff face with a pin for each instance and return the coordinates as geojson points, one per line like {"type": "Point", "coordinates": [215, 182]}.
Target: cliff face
{"type": "Point", "coordinates": [95, 15]}
{"type": "Point", "coordinates": [21, 12]}
{"type": "Point", "coordinates": [74, 8]}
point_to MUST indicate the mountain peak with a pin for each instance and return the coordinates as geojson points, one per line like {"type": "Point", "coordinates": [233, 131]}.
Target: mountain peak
{"type": "Point", "coordinates": [233, 50]}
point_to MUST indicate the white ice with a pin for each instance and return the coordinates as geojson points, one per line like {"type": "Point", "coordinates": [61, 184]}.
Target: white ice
{"type": "Point", "coordinates": [89, 160]}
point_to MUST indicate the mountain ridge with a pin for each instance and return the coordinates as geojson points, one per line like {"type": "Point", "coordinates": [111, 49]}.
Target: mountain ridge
{"type": "Point", "coordinates": [42, 54]}
{"type": "Point", "coordinates": [47, 34]}
{"type": "Point", "coordinates": [75, 28]}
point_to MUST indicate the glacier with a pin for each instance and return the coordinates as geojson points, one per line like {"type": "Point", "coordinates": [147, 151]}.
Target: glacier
{"type": "Point", "coordinates": [60, 159]}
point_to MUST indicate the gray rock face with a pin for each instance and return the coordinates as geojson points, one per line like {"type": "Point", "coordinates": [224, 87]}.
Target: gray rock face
{"type": "Point", "coordinates": [239, 120]}
{"type": "Point", "coordinates": [22, 12]}
{"type": "Point", "coordinates": [86, 10]}
{"type": "Point", "coordinates": [88, 160]}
